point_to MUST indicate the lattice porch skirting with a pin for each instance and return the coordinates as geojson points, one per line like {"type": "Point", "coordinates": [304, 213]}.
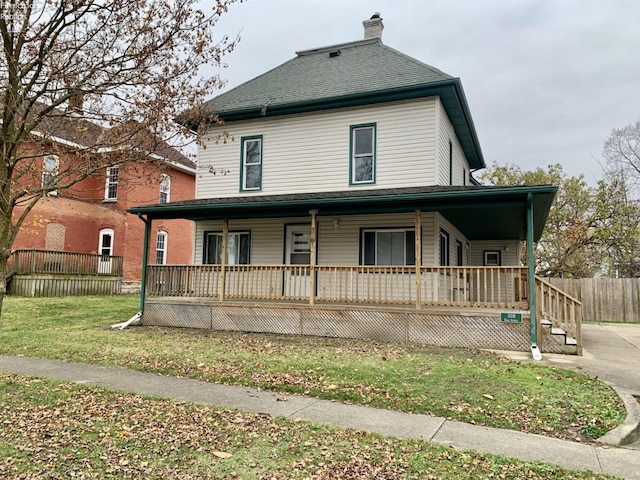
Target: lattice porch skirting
{"type": "Point", "coordinates": [455, 329]}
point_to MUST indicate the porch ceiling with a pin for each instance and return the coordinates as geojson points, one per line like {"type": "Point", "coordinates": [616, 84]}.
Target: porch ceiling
{"type": "Point", "coordinates": [479, 212]}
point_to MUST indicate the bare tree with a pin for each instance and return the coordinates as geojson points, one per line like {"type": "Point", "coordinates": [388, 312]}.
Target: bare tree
{"type": "Point", "coordinates": [622, 154]}
{"type": "Point", "coordinates": [98, 81]}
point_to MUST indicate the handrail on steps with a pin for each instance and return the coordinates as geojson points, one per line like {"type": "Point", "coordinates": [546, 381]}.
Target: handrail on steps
{"type": "Point", "coordinates": [561, 309]}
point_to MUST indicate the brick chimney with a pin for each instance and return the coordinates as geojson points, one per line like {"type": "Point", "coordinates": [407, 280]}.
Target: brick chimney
{"type": "Point", "coordinates": [373, 27]}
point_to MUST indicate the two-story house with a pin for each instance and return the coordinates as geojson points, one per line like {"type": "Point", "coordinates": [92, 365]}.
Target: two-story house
{"type": "Point", "coordinates": [91, 216]}
{"type": "Point", "coordinates": [338, 199]}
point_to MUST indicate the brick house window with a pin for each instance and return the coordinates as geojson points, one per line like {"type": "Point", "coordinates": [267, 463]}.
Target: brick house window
{"type": "Point", "coordinates": [161, 248]}
{"type": "Point", "coordinates": [50, 166]}
{"type": "Point", "coordinates": [165, 188]}
{"type": "Point", "coordinates": [111, 186]}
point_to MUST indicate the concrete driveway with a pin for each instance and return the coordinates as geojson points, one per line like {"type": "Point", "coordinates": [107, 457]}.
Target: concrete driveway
{"type": "Point", "coordinates": [611, 351]}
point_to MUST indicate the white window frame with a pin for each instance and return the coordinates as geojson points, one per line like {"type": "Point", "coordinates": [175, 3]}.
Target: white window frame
{"type": "Point", "coordinates": [246, 165]}
{"type": "Point", "coordinates": [162, 239]}
{"type": "Point", "coordinates": [492, 258]}
{"type": "Point", "coordinates": [165, 188]}
{"type": "Point", "coordinates": [50, 167]}
{"type": "Point", "coordinates": [356, 156]}
{"type": "Point", "coordinates": [111, 183]}
{"type": "Point", "coordinates": [102, 249]}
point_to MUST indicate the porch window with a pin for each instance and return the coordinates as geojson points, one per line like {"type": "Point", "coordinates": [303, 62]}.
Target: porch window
{"type": "Point", "coordinates": [251, 167]}
{"type": "Point", "coordinates": [492, 258]}
{"type": "Point", "coordinates": [111, 186]}
{"type": "Point", "coordinates": [459, 253]}
{"type": "Point", "coordinates": [363, 156]}
{"type": "Point", "coordinates": [444, 249]}
{"type": "Point", "coordinates": [238, 248]}
{"type": "Point", "coordinates": [161, 248]}
{"type": "Point", "coordinates": [388, 247]}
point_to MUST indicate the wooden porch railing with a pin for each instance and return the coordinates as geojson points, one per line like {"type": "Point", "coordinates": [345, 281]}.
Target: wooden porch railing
{"type": "Point", "coordinates": [562, 310]}
{"type": "Point", "coordinates": [489, 287]}
{"type": "Point", "coordinates": [23, 262]}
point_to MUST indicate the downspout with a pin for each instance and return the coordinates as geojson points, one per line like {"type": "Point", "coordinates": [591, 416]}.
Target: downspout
{"type": "Point", "coordinates": [535, 351]}
{"type": "Point", "coordinates": [143, 283]}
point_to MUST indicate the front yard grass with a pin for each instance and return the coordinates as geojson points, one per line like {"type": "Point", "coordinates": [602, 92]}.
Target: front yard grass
{"type": "Point", "coordinates": [465, 385]}
{"type": "Point", "coordinates": [61, 430]}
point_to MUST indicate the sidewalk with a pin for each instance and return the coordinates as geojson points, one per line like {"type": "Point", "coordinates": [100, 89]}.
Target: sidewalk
{"type": "Point", "coordinates": [616, 461]}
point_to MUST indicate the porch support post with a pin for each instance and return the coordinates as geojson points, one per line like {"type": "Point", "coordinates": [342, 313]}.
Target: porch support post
{"type": "Point", "coordinates": [145, 260]}
{"type": "Point", "coordinates": [418, 254]}
{"type": "Point", "coordinates": [532, 278]}
{"type": "Point", "coordinates": [223, 260]}
{"type": "Point", "coordinates": [312, 260]}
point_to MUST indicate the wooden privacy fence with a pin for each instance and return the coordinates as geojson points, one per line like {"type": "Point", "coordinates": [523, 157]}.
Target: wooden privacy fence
{"type": "Point", "coordinates": [604, 299]}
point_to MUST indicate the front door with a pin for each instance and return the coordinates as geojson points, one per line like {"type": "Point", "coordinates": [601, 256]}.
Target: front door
{"type": "Point", "coordinates": [105, 249]}
{"type": "Point", "coordinates": [297, 252]}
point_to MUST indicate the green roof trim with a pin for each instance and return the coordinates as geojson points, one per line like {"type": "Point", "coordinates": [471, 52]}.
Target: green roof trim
{"type": "Point", "coordinates": [480, 213]}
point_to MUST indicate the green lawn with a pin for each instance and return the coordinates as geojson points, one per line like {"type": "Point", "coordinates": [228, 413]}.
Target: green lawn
{"type": "Point", "coordinates": [63, 430]}
{"type": "Point", "coordinates": [465, 385]}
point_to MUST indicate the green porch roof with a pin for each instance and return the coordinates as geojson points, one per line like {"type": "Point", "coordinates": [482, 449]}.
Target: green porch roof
{"type": "Point", "coordinates": [350, 74]}
{"type": "Point", "coordinates": [479, 212]}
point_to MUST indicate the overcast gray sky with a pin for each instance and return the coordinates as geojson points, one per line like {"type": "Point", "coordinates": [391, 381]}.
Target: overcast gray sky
{"type": "Point", "coordinates": [546, 80]}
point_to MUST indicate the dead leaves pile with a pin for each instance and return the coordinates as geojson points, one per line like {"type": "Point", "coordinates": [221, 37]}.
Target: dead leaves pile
{"type": "Point", "coordinates": [62, 430]}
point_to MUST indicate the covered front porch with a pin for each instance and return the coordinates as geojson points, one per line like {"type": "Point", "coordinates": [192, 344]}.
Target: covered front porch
{"type": "Point", "coordinates": [317, 282]}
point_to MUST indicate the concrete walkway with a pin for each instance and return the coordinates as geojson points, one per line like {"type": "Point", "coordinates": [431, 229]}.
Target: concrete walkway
{"type": "Point", "coordinates": [617, 461]}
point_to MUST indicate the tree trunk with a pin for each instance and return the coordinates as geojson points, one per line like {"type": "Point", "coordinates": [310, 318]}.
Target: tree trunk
{"type": "Point", "coordinates": [3, 279]}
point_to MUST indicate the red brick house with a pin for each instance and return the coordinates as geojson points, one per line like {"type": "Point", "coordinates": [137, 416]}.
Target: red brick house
{"type": "Point", "coordinates": [91, 216]}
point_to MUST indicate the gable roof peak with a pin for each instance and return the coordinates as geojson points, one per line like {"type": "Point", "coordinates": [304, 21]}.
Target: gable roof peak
{"type": "Point", "coordinates": [338, 46]}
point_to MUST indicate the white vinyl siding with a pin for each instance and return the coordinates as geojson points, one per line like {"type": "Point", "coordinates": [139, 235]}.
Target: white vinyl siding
{"type": "Point", "coordinates": [459, 165]}
{"type": "Point", "coordinates": [310, 152]}
{"type": "Point", "coordinates": [338, 242]}
{"type": "Point", "coordinates": [509, 251]}
{"type": "Point", "coordinates": [455, 237]}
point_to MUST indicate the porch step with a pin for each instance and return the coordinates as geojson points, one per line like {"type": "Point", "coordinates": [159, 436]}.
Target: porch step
{"type": "Point", "coordinates": [558, 331]}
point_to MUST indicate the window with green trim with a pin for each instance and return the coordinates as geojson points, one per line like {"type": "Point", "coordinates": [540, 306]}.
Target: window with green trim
{"type": "Point", "coordinates": [363, 154]}
{"type": "Point", "coordinates": [388, 247]}
{"type": "Point", "coordinates": [238, 248]}
{"type": "Point", "coordinates": [444, 249]}
{"type": "Point", "coordinates": [251, 163]}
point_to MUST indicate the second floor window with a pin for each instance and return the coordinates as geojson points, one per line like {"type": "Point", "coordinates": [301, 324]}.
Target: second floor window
{"type": "Point", "coordinates": [165, 188]}
{"type": "Point", "coordinates": [251, 163]}
{"type": "Point", "coordinates": [50, 166]}
{"type": "Point", "coordinates": [363, 157]}
{"type": "Point", "coordinates": [111, 186]}
{"type": "Point", "coordinates": [161, 248]}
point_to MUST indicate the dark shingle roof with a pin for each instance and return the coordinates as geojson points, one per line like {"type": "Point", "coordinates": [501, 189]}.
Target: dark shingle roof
{"type": "Point", "coordinates": [361, 67]}
{"type": "Point", "coordinates": [85, 134]}
{"type": "Point", "coordinates": [350, 74]}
